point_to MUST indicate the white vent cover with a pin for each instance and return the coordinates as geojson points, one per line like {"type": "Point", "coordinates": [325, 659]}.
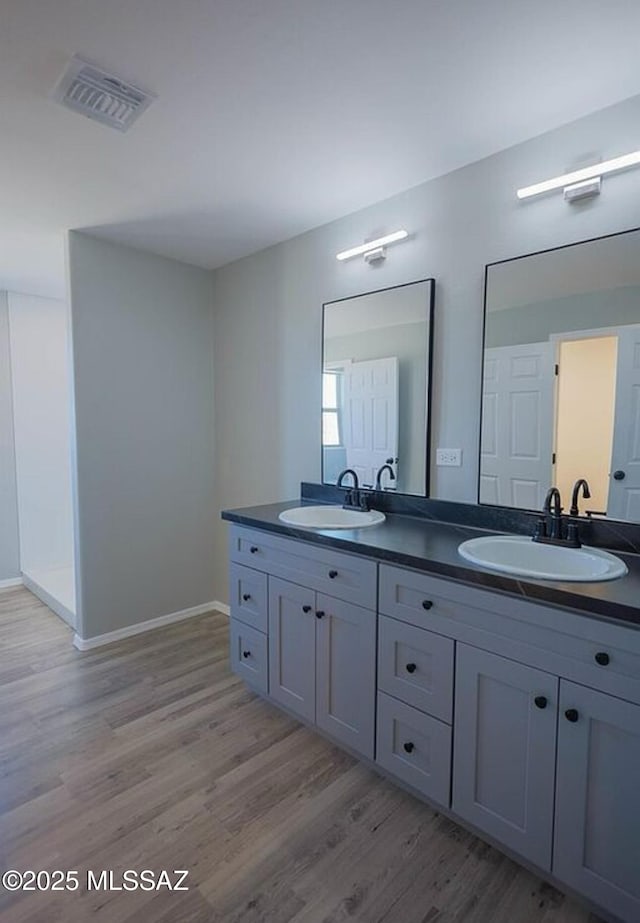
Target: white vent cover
{"type": "Point", "coordinates": [101, 96]}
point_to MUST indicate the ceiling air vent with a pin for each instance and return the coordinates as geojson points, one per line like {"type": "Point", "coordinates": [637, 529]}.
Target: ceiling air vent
{"type": "Point", "coordinates": [101, 96]}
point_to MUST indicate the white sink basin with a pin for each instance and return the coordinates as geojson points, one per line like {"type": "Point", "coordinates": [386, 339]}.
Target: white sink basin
{"type": "Point", "coordinates": [330, 517]}
{"type": "Point", "coordinates": [518, 554]}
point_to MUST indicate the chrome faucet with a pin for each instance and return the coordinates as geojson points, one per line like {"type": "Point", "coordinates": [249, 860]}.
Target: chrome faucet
{"type": "Point", "coordinates": [580, 484]}
{"type": "Point", "coordinates": [381, 471]}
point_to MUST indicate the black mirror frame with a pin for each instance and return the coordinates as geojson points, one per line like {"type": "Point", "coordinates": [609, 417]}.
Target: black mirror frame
{"type": "Point", "coordinates": [429, 395]}
{"type": "Point", "coordinates": [488, 266]}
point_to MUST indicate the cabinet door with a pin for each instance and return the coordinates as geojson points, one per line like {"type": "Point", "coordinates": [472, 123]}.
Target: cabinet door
{"type": "Point", "coordinates": [504, 750]}
{"type": "Point", "coordinates": [292, 647]}
{"type": "Point", "coordinates": [346, 672]}
{"type": "Point", "coordinates": [597, 833]}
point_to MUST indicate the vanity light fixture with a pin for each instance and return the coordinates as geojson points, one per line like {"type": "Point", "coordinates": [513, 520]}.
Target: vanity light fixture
{"type": "Point", "coordinates": [568, 180]}
{"type": "Point", "coordinates": [373, 249]}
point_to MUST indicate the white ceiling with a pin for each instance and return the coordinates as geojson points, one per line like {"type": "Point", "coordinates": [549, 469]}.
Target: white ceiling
{"type": "Point", "coordinates": [275, 117]}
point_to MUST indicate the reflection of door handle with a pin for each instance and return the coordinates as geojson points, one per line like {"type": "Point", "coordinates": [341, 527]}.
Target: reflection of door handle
{"type": "Point", "coordinates": [619, 475]}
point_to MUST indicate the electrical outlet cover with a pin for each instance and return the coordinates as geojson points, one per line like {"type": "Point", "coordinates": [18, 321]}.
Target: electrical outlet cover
{"type": "Point", "coordinates": [450, 458]}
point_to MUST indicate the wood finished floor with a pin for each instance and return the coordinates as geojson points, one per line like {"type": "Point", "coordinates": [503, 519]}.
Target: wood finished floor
{"type": "Point", "coordinates": [149, 753]}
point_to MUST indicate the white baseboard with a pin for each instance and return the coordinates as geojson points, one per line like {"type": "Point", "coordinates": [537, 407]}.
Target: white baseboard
{"type": "Point", "coordinates": [11, 581]}
{"type": "Point", "coordinates": [86, 644]}
{"type": "Point", "coordinates": [49, 600]}
{"type": "Point", "coordinates": [222, 607]}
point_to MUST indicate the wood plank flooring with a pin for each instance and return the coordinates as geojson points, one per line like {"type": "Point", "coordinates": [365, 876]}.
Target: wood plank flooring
{"type": "Point", "coordinates": [150, 754]}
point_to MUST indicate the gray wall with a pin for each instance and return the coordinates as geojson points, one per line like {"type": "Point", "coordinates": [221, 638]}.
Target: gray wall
{"type": "Point", "coordinates": [533, 323]}
{"type": "Point", "coordinates": [269, 306]}
{"type": "Point", "coordinates": [142, 331]}
{"type": "Point", "coordinates": [9, 553]}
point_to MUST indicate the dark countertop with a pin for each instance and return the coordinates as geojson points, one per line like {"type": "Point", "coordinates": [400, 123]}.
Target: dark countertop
{"type": "Point", "coordinates": [432, 547]}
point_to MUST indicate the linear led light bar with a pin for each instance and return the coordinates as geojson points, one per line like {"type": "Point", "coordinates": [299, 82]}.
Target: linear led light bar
{"type": "Point", "coordinates": [372, 245]}
{"type": "Point", "coordinates": [577, 176]}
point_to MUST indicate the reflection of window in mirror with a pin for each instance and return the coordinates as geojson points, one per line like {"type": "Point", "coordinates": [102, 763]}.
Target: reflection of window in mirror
{"type": "Point", "coordinates": [331, 411]}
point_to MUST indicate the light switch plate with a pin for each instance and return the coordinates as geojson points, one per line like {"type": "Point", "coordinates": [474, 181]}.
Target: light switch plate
{"type": "Point", "coordinates": [450, 458]}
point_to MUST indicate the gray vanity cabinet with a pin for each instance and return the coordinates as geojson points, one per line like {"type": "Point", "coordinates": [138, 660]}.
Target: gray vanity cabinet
{"type": "Point", "coordinates": [322, 661]}
{"type": "Point", "coordinates": [521, 719]}
{"type": "Point", "coordinates": [505, 750]}
{"type": "Point", "coordinates": [316, 607]}
{"type": "Point", "coordinates": [597, 837]}
{"type": "Point", "coordinates": [292, 647]}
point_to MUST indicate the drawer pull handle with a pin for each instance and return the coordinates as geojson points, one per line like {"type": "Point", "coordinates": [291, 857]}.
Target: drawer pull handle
{"type": "Point", "coordinates": [254, 549]}
{"type": "Point", "coordinates": [246, 597]}
{"type": "Point", "coordinates": [333, 574]}
{"type": "Point", "coordinates": [540, 701]}
{"type": "Point", "coordinates": [246, 654]}
{"type": "Point", "coordinates": [602, 658]}
{"type": "Point", "coordinates": [427, 604]}
{"type": "Point", "coordinates": [319, 614]}
{"type": "Point", "coordinates": [411, 668]}
{"type": "Point", "coordinates": [408, 747]}
{"type": "Point", "coordinates": [307, 608]}
{"type": "Point", "coordinates": [571, 715]}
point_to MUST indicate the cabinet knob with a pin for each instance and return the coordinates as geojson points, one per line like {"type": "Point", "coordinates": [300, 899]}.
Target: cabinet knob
{"type": "Point", "coordinates": [427, 603]}
{"type": "Point", "coordinates": [319, 614]}
{"type": "Point", "coordinates": [602, 658]}
{"type": "Point", "coordinates": [408, 747]}
{"type": "Point", "coordinates": [571, 715]}
{"type": "Point", "coordinates": [254, 549]}
{"type": "Point", "coordinates": [333, 574]}
{"type": "Point", "coordinates": [246, 654]}
{"type": "Point", "coordinates": [540, 701]}
{"type": "Point", "coordinates": [246, 597]}
{"type": "Point", "coordinates": [411, 668]}
{"type": "Point", "coordinates": [307, 608]}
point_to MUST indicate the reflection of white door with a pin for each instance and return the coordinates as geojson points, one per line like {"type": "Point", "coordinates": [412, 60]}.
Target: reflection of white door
{"type": "Point", "coordinates": [624, 494]}
{"type": "Point", "coordinates": [517, 425]}
{"type": "Point", "coordinates": [370, 416]}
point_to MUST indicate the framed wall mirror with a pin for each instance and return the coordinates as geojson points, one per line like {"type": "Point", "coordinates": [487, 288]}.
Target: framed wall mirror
{"type": "Point", "coordinates": [376, 379]}
{"type": "Point", "coordinates": [561, 382]}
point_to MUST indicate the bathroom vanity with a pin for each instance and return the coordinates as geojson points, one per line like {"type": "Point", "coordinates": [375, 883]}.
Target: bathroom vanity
{"type": "Point", "coordinates": [513, 707]}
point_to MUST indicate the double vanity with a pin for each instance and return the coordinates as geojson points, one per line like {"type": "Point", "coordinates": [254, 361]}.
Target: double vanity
{"type": "Point", "coordinates": [484, 656]}
{"type": "Point", "coordinates": [511, 704]}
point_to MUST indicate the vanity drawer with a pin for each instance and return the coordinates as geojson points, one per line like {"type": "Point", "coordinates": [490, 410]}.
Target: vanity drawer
{"type": "Point", "coordinates": [554, 639]}
{"type": "Point", "coordinates": [249, 654]}
{"type": "Point", "coordinates": [344, 576]}
{"type": "Point", "coordinates": [416, 666]}
{"type": "Point", "coordinates": [415, 747]}
{"type": "Point", "coordinates": [248, 595]}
